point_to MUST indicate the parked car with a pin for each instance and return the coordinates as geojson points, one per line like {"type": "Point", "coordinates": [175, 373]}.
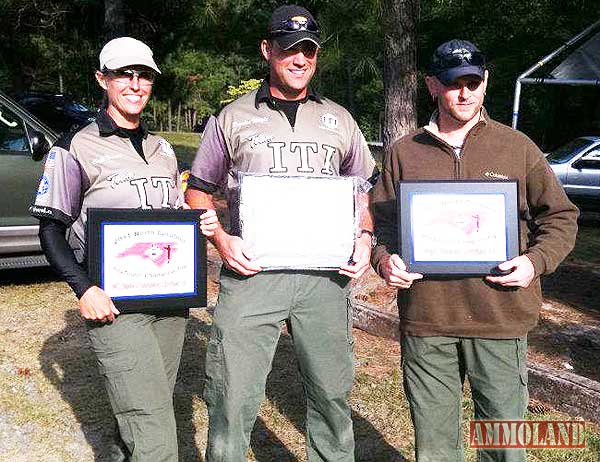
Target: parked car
{"type": "Point", "coordinates": [577, 166]}
{"type": "Point", "coordinates": [60, 112]}
{"type": "Point", "coordinates": [24, 141]}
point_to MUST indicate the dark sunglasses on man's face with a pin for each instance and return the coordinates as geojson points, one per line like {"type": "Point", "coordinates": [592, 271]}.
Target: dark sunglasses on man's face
{"type": "Point", "coordinates": [127, 75]}
{"type": "Point", "coordinates": [293, 25]}
{"type": "Point", "coordinates": [308, 49]}
{"type": "Point", "coordinates": [473, 58]}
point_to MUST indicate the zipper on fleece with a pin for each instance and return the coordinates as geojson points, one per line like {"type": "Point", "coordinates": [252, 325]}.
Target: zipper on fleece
{"type": "Point", "coordinates": [449, 149]}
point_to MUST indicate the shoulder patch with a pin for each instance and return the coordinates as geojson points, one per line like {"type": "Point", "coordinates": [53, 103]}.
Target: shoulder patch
{"type": "Point", "coordinates": [44, 186]}
{"type": "Point", "coordinates": [165, 148]}
{"type": "Point", "coordinates": [329, 121]}
{"type": "Point", "coordinates": [51, 159]}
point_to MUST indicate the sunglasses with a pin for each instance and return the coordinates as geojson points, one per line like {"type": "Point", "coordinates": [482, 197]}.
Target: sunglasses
{"type": "Point", "coordinates": [127, 75]}
{"type": "Point", "coordinates": [293, 25]}
{"type": "Point", "coordinates": [473, 58]}
{"type": "Point", "coordinates": [309, 49]}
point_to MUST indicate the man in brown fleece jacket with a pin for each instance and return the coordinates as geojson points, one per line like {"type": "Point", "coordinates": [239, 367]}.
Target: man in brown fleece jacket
{"type": "Point", "coordinates": [475, 327]}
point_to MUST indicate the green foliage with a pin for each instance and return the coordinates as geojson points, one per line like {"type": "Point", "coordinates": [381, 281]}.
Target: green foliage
{"type": "Point", "coordinates": [369, 98]}
{"type": "Point", "coordinates": [205, 46]}
{"type": "Point", "coordinates": [246, 86]}
{"type": "Point", "coordinates": [199, 78]}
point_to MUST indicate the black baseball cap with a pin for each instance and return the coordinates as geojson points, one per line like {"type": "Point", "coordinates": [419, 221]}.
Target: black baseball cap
{"type": "Point", "coordinates": [455, 59]}
{"type": "Point", "coordinates": [292, 24]}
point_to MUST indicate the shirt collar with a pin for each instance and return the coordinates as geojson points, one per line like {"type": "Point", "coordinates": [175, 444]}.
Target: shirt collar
{"type": "Point", "coordinates": [108, 127]}
{"type": "Point", "coordinates": [263, 95]}
{"type": "Point", "coordinates": [433, 127]}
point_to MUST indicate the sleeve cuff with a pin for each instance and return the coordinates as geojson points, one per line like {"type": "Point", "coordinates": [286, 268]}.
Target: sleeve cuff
{"type": "Point", "coordinates": [539, 266]}
{"type": "Point", "coordinates": [194, 182]}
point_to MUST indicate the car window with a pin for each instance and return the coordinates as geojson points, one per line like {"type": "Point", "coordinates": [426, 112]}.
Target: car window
{"type": "Point", "coordinates": [592, 155]}
{"type": "Point", "coordinates": [566, 152]}
{"type": "Point", "coordinates": [13, 137]}
{"type": "Point", "coordinates": [77, 107]}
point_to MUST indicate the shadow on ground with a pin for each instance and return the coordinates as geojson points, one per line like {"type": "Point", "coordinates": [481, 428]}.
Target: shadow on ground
{"type": "Point", "coordinates": [284, 390]}
{"type": "Point", "coordinates": [576, 282]}
{"type": "Point", "coordinates": [23, 276]}
{"type": "Point", "coordinates": [574, 343]}
{"type": "Point", "coordinates": [70, 365]}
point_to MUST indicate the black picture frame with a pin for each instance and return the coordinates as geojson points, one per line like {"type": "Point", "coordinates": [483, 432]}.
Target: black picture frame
{"type": "Point", "coordinates": [441, 196]}
{"type": "Point", "coordinates": [151, 223]}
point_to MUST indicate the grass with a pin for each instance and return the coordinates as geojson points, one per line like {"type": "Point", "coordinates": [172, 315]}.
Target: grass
{"type": "Point", "coordinates": [53, 406]}
{"type": "Point", "coordinates": [185, 146]}
{"type": "Point", "coordinates": [588, 240]}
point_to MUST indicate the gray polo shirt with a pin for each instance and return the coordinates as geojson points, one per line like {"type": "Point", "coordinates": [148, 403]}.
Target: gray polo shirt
{"type": "Point", "coordinates": [95, 167]}
{"type": "Point", "coordinates": [251, 135]}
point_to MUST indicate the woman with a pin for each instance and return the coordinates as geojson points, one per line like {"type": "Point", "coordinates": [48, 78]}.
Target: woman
{"type": "Point", "coordinates": [113, 162]}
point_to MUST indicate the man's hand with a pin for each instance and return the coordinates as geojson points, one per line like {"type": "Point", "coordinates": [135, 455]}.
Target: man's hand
{"type": "Point", "coordinates": [360, 257]}
{"type": "Point", "coordinates": [231, 248]}
{"type": "Point", "coordinates": [521, 276]}
{"type": "Point", "coordinates": [96, 305]}
{"type": "Point", "coordinates": [394, 272]}
{"type": "Point", "coordinates": [209, 222]}
{"type": "Point", "coordinates": [234, 255]}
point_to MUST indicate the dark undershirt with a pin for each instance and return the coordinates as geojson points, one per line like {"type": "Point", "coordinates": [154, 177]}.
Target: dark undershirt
{"type": "Point", "coordinates": [53, 234]}
{"type": "Point", "coordinates": [289, 108]}
{"type": "Point", "coordinates": [136, 136]}
{"type": "Point", "coordinates": [61, 257]}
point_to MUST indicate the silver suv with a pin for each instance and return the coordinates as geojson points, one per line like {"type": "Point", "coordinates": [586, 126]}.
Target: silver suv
{"type": "Point", "coordinates": [577, 166]}
{"type": "Point", "coordinates": [24, 141]}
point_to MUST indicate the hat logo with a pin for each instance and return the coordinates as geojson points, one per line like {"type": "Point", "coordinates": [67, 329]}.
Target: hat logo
{"type": "Point", "coordinates": [299, 19]}
{"type": "Point", "coordinates": [461, 51]}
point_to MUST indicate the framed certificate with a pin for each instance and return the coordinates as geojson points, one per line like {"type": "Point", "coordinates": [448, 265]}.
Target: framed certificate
{"type": "Point", "coordinates": [148, 260]}
{"type": "Point", "coordinates": [296, 222]}
{"type": "Point", "coordinates": [457, 227]}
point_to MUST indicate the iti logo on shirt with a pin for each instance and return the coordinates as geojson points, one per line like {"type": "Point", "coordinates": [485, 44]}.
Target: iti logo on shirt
{"type": "Point", "coordinates": [329, 121]}
{"type": "Point", "coordinates": [158, 253]}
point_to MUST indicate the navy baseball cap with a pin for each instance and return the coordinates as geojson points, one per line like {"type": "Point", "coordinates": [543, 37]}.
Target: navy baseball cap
{"type": "Point", "coordinates": [455, 59]}
{"type": "Point", "coordinates": [292, 24]}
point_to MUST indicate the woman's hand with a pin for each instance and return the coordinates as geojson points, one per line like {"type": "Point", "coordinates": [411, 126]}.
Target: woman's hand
{"type": "Point", "coordinates": [96, 305]}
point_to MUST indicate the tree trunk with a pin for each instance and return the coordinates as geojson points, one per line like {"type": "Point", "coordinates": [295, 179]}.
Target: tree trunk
{"type": "Point", "coordinates": [169, 116]}
{"type": "Point", "coordinates": [400, 18]}
{"type": "Point", "coordinates": [114, 19]}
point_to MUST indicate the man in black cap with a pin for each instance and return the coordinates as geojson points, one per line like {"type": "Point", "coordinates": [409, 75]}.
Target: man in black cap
{"type": "Point", "coordinates": [283, 128]}
{"type": "Point", "coordinates": [469, 327]}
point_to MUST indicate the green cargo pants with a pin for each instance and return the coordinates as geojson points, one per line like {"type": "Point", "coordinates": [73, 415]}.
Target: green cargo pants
{"type": "Point", "coordinates": [138, 356]}
{"type": "Point", "coordinates": [246, 327]}
{"type": "Point", "coordinates": [434, 372]}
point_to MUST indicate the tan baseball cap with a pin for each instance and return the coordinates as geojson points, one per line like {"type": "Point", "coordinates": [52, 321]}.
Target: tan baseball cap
{"type": "Point", "coordinates": [126, 51]}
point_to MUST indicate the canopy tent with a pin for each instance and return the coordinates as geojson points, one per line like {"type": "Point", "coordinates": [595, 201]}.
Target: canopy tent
{"type": "Point", "coordinates": [581, 66]}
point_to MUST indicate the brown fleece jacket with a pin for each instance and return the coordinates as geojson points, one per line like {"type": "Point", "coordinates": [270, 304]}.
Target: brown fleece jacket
{"type": "Point", "coordinates": [470, 306]}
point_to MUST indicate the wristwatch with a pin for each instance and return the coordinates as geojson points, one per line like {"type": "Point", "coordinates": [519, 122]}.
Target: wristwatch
{"type": "Point", "coordinates": [370, 233]}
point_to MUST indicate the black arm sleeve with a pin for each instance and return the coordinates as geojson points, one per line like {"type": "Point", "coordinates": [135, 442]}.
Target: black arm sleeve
{"type": "Point", "coordinates": [61, 257]}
